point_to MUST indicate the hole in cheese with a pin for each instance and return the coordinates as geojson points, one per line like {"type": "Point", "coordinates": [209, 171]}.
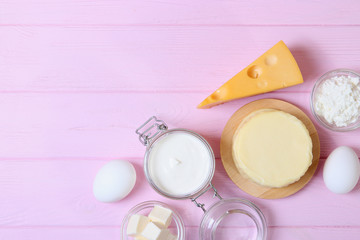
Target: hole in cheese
{"type": "Point", "coordinates": [217, 94]}
{"type": "Point", "coordinates": [254, 72]}
{"type": "Point", "coordinates": [262, 83]}
{"type": "Point", "coordinates": [271, 60]}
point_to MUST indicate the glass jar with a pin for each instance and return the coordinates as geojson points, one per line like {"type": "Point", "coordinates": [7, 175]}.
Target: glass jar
{"type": "Point", "coordinates": [227, 218]}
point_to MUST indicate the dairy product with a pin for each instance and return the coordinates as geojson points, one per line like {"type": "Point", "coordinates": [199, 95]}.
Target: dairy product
{"type": "Point", "coordinates": [338, 100]}
{"type": "Point", "coordinates": [161, 216]}
{"type": "Point", "coordinates": [140, 238]}
{"type": "Point", "coordinates": [179, 163]}
{"type": "Point", "coordinates": [273, 70]}
{"type": "Point", "coordinates": [153, 227]}
{"type": "Point", "coordinates": [272, 148]}
{"type": "Point", "coordinates": [136, 225]}
{"type": "Point", "coordinates": [154, 232]}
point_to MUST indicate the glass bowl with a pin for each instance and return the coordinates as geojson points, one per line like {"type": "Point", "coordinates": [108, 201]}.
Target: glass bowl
{"type": "Point", "coordinates": [315, 92]}
{"type": "Point", "coordinates": [176, 227]}
{"type": "Point", "coordinates": [233, 217]}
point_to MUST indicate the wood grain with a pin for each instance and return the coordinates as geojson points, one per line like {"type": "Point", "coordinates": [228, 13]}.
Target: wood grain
{"type": "Point", "coordinates": [91, 125]}
{"type": "Point", "coordinates": [75, 12]}
{"type": "Point", "coordinates": [112, 232]}
{"type": "Point", "coordinates": [226, 146]}
{"type": "Point", "coordinates": [161, 59]}
{"type": "Point", "coordinates": [45, 193]}
{"type": "Point", "coordinates": [78, 76]}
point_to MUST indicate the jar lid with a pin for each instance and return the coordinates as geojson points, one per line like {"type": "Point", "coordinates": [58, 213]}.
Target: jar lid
{"type": "Point", "coordinates": [233, 217]}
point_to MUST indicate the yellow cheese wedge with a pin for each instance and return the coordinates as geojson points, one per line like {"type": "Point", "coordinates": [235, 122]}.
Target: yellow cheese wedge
{"type": "Point", "coordinates": [275, 69]}
{"type": "Point", "coordinates": [272, 148]}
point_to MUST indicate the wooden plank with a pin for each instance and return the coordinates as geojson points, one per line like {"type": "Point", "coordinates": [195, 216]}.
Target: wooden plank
{"type": "Point", "coordinates": [112, 233]}
{"type": "Point", "coordinates": [314, 233]}
{"type": "Point", "coordinates": [44, 233]}
{"type": "Point", "coordinates": [298, 233]}
{"type": "Point", "coordinates": [155, 58]}
{"type": "Point", "coordinates": [91, 125]}
{"type": "Point", "coordinates": [277, 12]}
{"type": "Point", "coordinates": [43, 193]}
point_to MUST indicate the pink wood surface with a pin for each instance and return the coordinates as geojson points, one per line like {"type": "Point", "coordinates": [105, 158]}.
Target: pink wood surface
{"type": "Point", "coordinates": [279, 12]}
{"type": "Point", "coordinates": [101, 233]}
{"type": "Point", "coordinates": [161, 58]}
{"type": "Point", "coordinates": [78, 77]}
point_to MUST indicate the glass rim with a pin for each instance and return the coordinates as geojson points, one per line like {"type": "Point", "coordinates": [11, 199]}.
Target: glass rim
{"type": "Point", "coordinates": [257, 216]}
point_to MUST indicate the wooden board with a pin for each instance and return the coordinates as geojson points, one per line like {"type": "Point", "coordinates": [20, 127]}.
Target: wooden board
{"type": "Point", "coordinates": [246, 184]}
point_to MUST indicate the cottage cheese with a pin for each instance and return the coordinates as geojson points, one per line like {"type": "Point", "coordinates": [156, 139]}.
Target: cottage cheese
{"type": "Point", "coordinates": [338, 100]}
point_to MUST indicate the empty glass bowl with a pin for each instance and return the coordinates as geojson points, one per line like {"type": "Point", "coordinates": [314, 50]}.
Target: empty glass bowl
{"type": "Point", "coordinates": [233, 218]}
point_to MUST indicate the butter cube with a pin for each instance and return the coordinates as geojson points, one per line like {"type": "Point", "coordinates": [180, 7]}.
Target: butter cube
{"type": "Point", "coordinates": [171, 236]}
{"type": "Point", "coordinates": [161, 216]}
{"type": "Point", "coordinates": [154, 232]}
{"type": "Point", "coordinates": [136, 225]}
{"type": "Point", "coordinates": [140, 238]}
{"type": "Point", "coordinates": [168, 235]}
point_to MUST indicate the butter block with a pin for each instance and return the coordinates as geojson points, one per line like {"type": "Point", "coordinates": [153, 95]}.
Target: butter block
{"type": "Point", "coordinates": [140, 238]}
{"type": "Point", "coordinates": [136, 225]}
{"type": "Point", "coordinates": [154, 232]}
{"type": "Point", "coordinates": [161, 216]}
{"type": "Point", "coordinates": [272, 148]}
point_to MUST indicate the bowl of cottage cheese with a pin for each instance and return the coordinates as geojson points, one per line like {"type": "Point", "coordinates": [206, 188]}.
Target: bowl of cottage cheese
{"type": "Point", "coordinates": [335, 100]}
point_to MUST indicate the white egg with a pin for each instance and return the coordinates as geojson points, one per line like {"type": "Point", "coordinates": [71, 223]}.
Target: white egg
{"type": "Point", "coordinates": [114, 181]}
{"type": "Point", "coordinates": [342, 170]}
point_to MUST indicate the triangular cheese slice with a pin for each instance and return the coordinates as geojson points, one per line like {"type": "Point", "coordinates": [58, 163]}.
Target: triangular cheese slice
{"type": "Point", "coordinates": [275, 69]}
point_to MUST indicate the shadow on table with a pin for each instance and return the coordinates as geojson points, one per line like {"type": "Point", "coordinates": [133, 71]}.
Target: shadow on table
{"type": "Point", "coordinates": [307, 62]}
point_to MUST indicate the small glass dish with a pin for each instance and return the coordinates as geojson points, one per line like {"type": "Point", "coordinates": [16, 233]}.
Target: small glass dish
{"type": "Point", "coordinates": [176, 227]}
{"type": "Point", "coordinates": [320, 119]}
{"type": "Point", "coordinates": [233, 217]}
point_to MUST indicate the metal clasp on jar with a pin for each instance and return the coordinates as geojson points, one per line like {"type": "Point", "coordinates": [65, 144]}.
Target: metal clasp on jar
{"type": "Point", "coordinates": [202, 205]}
{"type": "Point", "coordinates": [146, 130]}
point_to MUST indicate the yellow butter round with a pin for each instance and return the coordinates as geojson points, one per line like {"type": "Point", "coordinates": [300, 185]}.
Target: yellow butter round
{"type": "Point", "coordinates": [272, 148]}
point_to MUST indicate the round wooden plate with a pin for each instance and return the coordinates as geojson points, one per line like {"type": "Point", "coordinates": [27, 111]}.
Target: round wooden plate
{"type": "Point", "coordinates": [246, 184]}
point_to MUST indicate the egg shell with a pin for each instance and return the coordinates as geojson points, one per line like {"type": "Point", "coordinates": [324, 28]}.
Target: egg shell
{"type": "Point", "coordinates": [342, 170]}
{"type": "Point", "coordinates": [114, 181]}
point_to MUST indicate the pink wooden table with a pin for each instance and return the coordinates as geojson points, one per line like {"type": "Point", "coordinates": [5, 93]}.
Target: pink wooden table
{"type": "Point", "coordinates": [79, 76]}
